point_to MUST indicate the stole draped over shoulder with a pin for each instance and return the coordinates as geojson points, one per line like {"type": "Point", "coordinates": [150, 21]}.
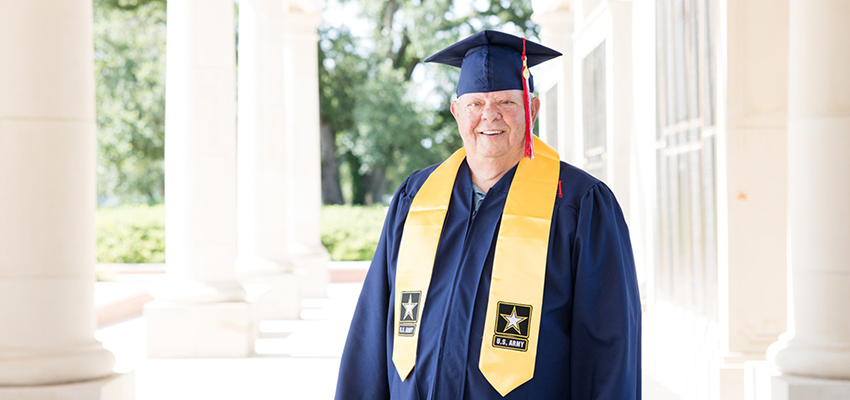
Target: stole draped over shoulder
{"type": "Point", "coordinates": [588, 344]}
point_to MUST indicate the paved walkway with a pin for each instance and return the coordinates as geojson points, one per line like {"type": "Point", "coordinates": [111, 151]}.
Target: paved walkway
{"type": "Point", "coordinates": [296, 359]}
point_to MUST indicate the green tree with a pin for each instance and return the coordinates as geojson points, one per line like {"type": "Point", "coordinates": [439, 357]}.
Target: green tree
{"type": "Point", "coordinates": [376, 121]}
{"type": "Point", "coordinates": [130, 96]}
{"type": "Point", "coordinates": [341, 71]}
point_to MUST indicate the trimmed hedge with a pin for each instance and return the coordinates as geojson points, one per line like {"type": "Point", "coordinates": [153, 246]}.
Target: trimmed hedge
{"type": "Point", "coordinates": [351, 233]}
{"type": "Point", "coordinates": [136, 233]}
{"type": "Point", "coordinates": [132, 234]}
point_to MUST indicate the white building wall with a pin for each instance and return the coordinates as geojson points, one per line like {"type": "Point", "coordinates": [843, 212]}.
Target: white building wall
{"type": "Point", "coordinates": [708, 355]}
{"type": "Point", "coordinates": [698, 355]}
{"type": "Point", "coordinates": [608, 22]}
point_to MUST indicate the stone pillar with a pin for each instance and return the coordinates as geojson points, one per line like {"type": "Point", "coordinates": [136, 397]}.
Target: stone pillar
{"type": "Point", "coordinates": [47, 203]}
{"type": "Point", "coordinates": [262, 198]}
{"type": "Point", "coordinates": [817, 343]}
{"type": "Point", "coordinates": [201, 311]}
{"type": "Point", "coordinates": [751, 188]}
{"type": "Point", "coordinates": [303, 160]}
{"type": "Point", "coordinates": [555, 18]}
{"type": "Point", "coordinates": [620, 104]}
{"type": "Point", "coordinates": [643, 146]}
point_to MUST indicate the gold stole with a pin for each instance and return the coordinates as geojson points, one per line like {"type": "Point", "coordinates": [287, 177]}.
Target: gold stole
{"type": "Point", "coordinates": [509, 346]}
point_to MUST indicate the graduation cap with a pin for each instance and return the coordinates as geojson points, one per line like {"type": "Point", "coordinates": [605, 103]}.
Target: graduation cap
{"type": "Point", "coordinates": [492, 61]}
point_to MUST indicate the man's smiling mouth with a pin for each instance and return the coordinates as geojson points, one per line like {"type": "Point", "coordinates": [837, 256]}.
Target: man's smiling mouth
{"type": "Point", "coordinates": [491, 133]}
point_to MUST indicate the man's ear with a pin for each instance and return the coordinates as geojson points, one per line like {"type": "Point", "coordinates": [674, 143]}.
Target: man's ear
{"type": "Point", "coordinates": [454, 113]}
{"type": "Point", "coordinates": [535, 108]}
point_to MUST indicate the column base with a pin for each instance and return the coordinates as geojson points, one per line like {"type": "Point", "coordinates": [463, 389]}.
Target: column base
{"type": "Point", "coordinates": [681, 351]}
{"type": "Point", "coordinates": [757, 378]}
{"type": "Point", "coordinates": [731, 381]}
{"type": "Point", "coordinates": [789, 387]}
{"type": "Point", "coordinates": [828, 361]}
{"type": "Point", "coordinates": [192, 291]}
{"type": "Point", "coordinates": [55, 365]}
{"type": "Point", "coordinates": [274, 293]}
{"type": "Point", "coordinates": [113, 387]}
{"type": "Point", "coordinates": [200, 330]}
{"type": "Point", "coordinates": [313, 273]}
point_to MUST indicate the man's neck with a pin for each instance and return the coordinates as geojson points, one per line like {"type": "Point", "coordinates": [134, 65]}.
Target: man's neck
{"type": "Point", "coordinates": [486, 172]}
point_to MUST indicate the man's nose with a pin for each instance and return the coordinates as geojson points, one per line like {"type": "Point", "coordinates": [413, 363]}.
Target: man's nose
{"type": "Point", "coordinates": [491, 113]}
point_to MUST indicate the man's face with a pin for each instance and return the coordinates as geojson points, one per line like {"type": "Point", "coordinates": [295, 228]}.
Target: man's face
{"type": "Point", "coordinates": [492, 124]}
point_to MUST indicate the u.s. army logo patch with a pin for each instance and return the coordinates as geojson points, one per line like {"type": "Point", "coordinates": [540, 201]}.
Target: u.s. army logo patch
{"type": "Point", "coordinates": [512, 326]}
{"type": "Point", "coordinates": [409, 314]}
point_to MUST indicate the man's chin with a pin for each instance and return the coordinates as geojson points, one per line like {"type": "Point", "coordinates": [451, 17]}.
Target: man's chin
{"type": "Point", "coordinates": [495, 155]}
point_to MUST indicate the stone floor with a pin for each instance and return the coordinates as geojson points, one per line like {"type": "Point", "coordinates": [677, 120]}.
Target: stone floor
{"type": "Point", "coordinates": [296, 359]}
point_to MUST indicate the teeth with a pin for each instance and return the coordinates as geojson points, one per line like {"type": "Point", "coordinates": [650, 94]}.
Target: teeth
{"type": "Point", "coordinates": [491, 132]}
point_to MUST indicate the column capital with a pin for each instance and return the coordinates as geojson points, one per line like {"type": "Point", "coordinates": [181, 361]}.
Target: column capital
{"type": "Point", "coordinates": [548, 6]}
{"type": "Point", "coordinates": [556, 29]}
{"type": "Point", "coordinates": [298, 21]}
{"type": "Point", "coordinates": [305, 6]}
{"type": "Point", "coordinates": [559, 22]}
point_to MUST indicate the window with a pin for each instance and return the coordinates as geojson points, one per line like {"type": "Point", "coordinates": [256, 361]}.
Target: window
{"type": "Point", "coordinates": [686, 254]}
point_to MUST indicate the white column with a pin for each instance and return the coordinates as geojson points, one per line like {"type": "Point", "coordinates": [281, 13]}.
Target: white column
{"type": "Point", "coordinates": [751, 187]}
{"type": "Point", "coordinates": [201, 311]}
{"type": "Point", "coordinates": [643, 144]}
{"type": "Point", "coordinates": [556, 29]}
{"type": "Point", "coordinates": [817, 343]}
{"type": "Point", "coordinates": [47, 200]}
{"type": "Point", "coordinates": [303, 160]}
{"type": "Point", "coordinates": [263, 262]}
{"type": "Point", "coordinates": [619, 86]}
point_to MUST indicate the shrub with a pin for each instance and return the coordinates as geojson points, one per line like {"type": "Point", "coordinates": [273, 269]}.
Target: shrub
{"type": "Point", "coordinates": [136, 233]}
{"type": "Point", "coordinates": [131, 234]}
{"type": "Point", "coordinates": [351, 233]}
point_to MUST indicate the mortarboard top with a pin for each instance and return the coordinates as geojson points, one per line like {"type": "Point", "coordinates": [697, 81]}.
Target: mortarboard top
{"type": "Point", "coordinates": [491, 61]}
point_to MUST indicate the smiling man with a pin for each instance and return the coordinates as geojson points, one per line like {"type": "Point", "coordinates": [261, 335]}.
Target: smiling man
{"type": "Point", "coordinates": [501, 272]}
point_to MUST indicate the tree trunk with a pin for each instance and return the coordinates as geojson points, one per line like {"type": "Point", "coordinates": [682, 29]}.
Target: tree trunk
{"type": "Point", "coordinates": [331, 192]}
{"type": "Point", "coordinates": [358, 185]}
{"type": "Point", "coordinates": [376, 185]}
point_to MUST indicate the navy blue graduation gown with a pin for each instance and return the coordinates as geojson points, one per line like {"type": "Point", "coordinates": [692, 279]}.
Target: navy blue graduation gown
{"type": "Point", "coordinates": [589, 341]}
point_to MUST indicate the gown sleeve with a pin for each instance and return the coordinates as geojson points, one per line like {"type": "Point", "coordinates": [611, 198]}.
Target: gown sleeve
{"type": "Point", "coordinates": [605, 330]}
{"type": "Point", "coordinates": [363, 372]}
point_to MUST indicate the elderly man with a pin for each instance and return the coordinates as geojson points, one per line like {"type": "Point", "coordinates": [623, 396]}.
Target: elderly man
{"type": "Point", "coordinates": [501, 272]}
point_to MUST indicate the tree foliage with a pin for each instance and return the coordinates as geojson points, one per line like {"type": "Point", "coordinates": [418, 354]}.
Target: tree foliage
{"type": "Point", "coordinates": [129, 40]}
{"type": "Point", "coordinates": [380, 119]}
{"type": "Point", "coordinates": [384, 122]}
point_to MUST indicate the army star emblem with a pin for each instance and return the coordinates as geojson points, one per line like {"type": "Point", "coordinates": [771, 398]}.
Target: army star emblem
{"type": "Point", "coordinates": [513, 321]}
{"type": "Point", "coordinates": [408, 308]}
